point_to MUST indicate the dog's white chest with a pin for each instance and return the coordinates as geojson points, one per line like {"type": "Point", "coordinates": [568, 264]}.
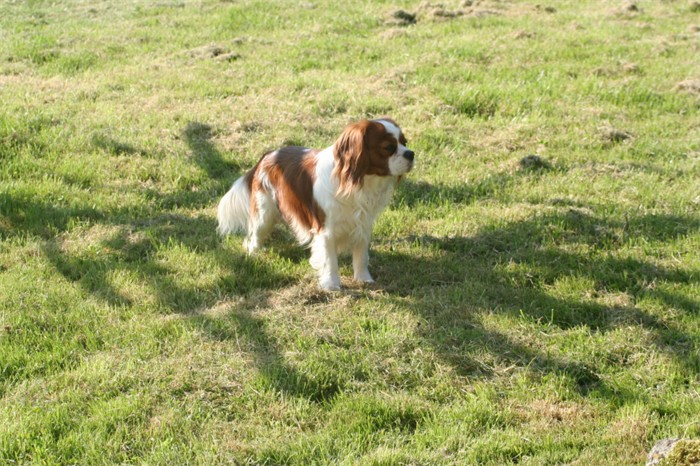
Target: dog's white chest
{"type": "Point", "coordinates": [356, 214]}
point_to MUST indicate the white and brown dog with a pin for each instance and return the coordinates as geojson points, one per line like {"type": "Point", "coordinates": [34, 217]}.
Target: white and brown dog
{"type": "Point", "coordinates": [330, 198]}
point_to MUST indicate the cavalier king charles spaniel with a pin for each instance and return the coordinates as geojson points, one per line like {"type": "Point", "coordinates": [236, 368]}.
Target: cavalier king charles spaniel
{"type": "Point", "coordinates": [330, 198]}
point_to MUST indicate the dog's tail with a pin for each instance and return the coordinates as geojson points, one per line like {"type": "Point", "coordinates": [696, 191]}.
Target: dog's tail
{"type": "Point", "coordinates": [234, 208]}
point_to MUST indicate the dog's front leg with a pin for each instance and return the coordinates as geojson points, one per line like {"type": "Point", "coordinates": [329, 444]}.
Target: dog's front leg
{"type": "Point", "coordinates": [360, 263]}
{"type": "Point", "coordinates": [324, 258]}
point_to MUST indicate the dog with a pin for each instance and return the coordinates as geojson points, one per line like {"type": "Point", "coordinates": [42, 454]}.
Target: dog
{"type": "Point", "coordinates": [330, 198]}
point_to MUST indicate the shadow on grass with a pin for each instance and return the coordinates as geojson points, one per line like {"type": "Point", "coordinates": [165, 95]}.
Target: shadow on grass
{"type": "Point", "coordinates": [507, 269]}
{"type": "Point", "coordinates": [114, 147]}
{"type": "Point", "coordinates": [22, 214]}
{"type": "Point", "coordinates": [274, 371]}
{"type": "Point", "coordinates": [133, 247]}
{"type": "Point", "coordinates": [412, 193]}
{"type": "Point", "coordinates": [198, 137]}
{"type": "Point", "coordinates": [511, 269]}
{"type": "Point", "coordinates": [220, 173]}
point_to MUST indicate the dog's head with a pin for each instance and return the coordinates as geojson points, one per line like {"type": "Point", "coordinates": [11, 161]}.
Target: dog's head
{"type": "Point", "coordinates": [370, 147]}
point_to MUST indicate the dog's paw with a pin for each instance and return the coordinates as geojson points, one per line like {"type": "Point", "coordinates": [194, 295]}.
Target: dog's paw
{"type": "Point", "coordinates": [329, 283]}
{"type": "Point", "coordinates": [363, 277]}
{"type": "Point", "coordinates": [251, 246]}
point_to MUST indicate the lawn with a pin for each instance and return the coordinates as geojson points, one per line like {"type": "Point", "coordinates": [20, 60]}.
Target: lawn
{"type": "Point", "coordinates": [536, 310]}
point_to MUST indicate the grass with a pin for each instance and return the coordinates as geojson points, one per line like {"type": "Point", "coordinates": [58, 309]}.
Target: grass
{"type": "Point", "coordinates": [523, 313]}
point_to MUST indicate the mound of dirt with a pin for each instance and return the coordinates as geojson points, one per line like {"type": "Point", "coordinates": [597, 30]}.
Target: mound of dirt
{"type": "Point", "coordinates": [432, 11]}
{"type": "Point", "coordinates": [438, 11]}
{"type": "Point", "coordinates": [400, 18]}
{"type": "Point", "coordinates": [628, 9]}
{"type": "Point", "coordinates": [546, 8]}
{"type": "Point", "coordinates": [689, 85]}
{"type": "Point", "coordinates": [522, 35]}
{"type": "Point", "coordinates": [230, 56]}
{"type": "Point", "coordinates": [208, 51]}
{"type": "Point", "coordinates": [534, 162]}
{"type": "Point", "coordinates": [213, 51]}
{"type": "Point", "coordinates": [631, 68]}
{"type": "Point", "coordinates": [610, 134]}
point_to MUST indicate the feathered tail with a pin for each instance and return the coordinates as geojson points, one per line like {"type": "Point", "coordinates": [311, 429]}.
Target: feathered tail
{"type": "Point", "coordinates": [234, 208]}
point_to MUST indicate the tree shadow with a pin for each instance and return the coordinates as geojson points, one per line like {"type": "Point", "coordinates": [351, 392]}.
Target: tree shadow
{"type": "Point", "coordinates": [511, 270]}
{"type": "Point", "coordinates": [114, 147]}
{"type": "Point", "coordinates": [274, 371]}
{"type": "Point", "coordinates": [507, 269]}
{"type": "Point", "coordinates": [198, 137]}
{"type": "Point", "coordinates": [22, 214]}
{"type": "Point", "coordinates": [130, 243]}
{"type": "Point", "coordinates": [413, 193]}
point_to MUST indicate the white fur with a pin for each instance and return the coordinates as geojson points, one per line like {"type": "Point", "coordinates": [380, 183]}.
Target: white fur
{"type": "Point", "coordinates": [234, 209]}
{"type": "Point", "coordinates": [349, 221]}
{"type": "Point", "coordinates": [398, 164]}
{"type": "Point", "coordinates": [266, 216]}
{"type": "Point", "coordinates": [390, 128]}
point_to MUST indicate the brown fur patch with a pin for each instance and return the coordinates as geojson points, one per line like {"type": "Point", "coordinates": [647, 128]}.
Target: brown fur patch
{"type": "Point", "coordinates": [363, 149]}
{"type": "Point", "coordinates": [291, 170]}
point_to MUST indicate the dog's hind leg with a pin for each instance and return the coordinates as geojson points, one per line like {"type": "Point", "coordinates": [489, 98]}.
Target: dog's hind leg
{"type": "Point", "coordinates": [262, 222]}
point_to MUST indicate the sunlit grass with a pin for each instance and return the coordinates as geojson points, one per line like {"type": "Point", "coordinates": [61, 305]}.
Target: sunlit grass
{"type": "Point", "coordinates": [542, 312]}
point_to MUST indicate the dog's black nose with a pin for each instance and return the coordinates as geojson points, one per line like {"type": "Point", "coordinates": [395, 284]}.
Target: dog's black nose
{"type": "Point", "coordinates": [409, 155]}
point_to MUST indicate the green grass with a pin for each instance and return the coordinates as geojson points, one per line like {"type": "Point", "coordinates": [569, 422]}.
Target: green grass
{"type": "Point", "coordinates": [522, 314]}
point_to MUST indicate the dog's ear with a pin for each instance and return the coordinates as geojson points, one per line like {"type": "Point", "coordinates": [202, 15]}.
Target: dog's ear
{"type": "Point", "coordinates": [351, 156]}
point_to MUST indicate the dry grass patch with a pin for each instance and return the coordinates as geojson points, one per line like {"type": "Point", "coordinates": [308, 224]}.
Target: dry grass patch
{"type": "Point", "coordinates": [691, 86]}
{"type": "Point", "coordinates": [543, 415]}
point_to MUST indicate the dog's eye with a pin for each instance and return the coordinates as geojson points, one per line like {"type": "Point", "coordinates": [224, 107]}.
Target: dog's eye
{"type": "Point", "coordinates": [390, 148]}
